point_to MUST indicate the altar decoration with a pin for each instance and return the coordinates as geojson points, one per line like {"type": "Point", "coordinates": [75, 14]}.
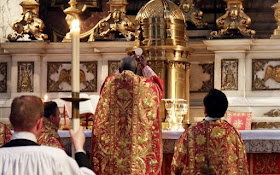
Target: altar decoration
{"type": "Point", "coordinates": [240, 120]}
{"type": "Point", "coordinates": [276, 32]}
{"type": "Point", "coordinates": [192, 13]}
{"type": "Point", "coordinates": [115, 23]}
{"type": "Point", "coordinates": [28, 23]}
{"type": "Point", "coordinates": [234, 22]}
{"type": "Point", "coordinates": [166, 50]}
{"type": "Point", "coordinates": [72, 13]}
{"type": "Point", "coordinates": [176, 109]}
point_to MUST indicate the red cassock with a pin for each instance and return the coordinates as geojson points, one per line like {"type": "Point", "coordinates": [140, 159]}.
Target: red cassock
{"type": "Point", "coordinates": [210, 147]}
{"type": "Point", "coordinates": [126, 137]}
{"type": "Point", "coordinates": [49, 135]}
{"type": "Point", "coordinates": [5, 134]}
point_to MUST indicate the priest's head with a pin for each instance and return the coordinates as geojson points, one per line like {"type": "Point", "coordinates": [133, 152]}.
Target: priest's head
{"type": "Point", "coordinates": [128, 63]}
{"type": "Point", "coordinates": [26, 114]}
{"type": "Point", "coordinates": [215, 104]}
{"type": "Point", "coordinates": [51, 112]}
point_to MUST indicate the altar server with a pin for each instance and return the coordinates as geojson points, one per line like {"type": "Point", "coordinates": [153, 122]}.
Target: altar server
{"type": "Point", "coordinates": [23, 156]}
{"type": "Point", "coordinates": [211, 146]}
{"type": "Point", "coordinates": [126, 138]}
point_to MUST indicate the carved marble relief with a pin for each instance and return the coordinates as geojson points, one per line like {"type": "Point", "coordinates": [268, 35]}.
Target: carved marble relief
{"type": "Point", "coordinates": [59, 76]}
{"type": "Point", "coordinates": [273, 113]}
{"type": "Point", "coordinates": [229, 77]}
{"type": "Point", "coordinates": [113, 66]}
{"type": "Point", "coordinates": [25, 77]}
{"type": "Point", "coordinates": [3, 77]}
{"type": "Point", "coordinates": [266, 74]}
{"type": "Point", "coordinates": [201, 77]}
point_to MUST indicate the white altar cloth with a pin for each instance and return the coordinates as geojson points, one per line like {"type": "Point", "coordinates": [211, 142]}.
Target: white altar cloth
{"type": "Point", "coordinates": [246, 134]}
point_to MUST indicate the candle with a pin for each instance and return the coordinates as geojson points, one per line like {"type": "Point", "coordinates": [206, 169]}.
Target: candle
{"type": "Point", "coordinates": [75, 35]}
{"type": "Point", "coordinates": [46, 98]}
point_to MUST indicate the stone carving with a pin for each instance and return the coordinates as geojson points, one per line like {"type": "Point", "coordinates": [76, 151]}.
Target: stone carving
{"type": "Point", "coordinates": [209, 84]}
{"type": "Point", "coordinates": [25, 76]}
{"type": "Point", "coordinates": [113, 66]}
{"type": "Point", "coordinates": [229, 77]}
{"type": "Point", "coordinates": [265, 125]}
{"type": "Point", "coordinates": [273, 113]}
{"type": "Point", "coordinates": [3, 77]}
{"type": "Point", "coordinates": [59, 77]}
{"type": "Point", "coordinates": [265, 74]}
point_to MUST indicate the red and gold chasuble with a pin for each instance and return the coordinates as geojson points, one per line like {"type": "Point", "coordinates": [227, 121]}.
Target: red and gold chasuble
{"type": "Point", "coordinates": [49, 135]}
{"type": "Point", "coordinates": [126, 138]}
{"type": "Point", "coordinates": [5, 134]}
{"type": "Point", "coordinates": [218, 150]}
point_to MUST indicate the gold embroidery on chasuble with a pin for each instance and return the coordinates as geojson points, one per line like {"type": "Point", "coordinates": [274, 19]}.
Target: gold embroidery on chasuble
{"type": "Point", "coordinates": [5, 134]}
{"type": "Point", "coordinates": [226, 151]}
{"type": "Point", "coordinates": [126, 134]}
{"type": "Point", "coordinates": [49, 135]}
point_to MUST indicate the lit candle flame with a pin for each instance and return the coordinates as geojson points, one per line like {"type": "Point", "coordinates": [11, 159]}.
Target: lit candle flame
{"type": "Point", "coordinates": [75, 26]}
{"type": "Point", "coordinates": [46, 98]}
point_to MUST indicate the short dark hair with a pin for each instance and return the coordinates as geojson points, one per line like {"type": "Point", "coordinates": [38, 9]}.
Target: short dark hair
{"type": "Point", "coordinates": [128, 63]}
{"type": "Point", "coordinates": [215, 103]}
{"type": "Point", "coordinates": [26, 111]}
{"type": "Point", "coordinates": [50, 109]}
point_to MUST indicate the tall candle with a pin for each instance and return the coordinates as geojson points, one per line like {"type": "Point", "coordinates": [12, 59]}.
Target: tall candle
{"type": "Point", "coordinates": [64, 115]}
{"type": "Point", "coordinates": [75, 35]}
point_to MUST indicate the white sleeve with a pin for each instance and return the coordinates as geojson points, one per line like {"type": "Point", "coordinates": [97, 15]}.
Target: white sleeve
{"type": "Point", "coordinates": [70, 167]}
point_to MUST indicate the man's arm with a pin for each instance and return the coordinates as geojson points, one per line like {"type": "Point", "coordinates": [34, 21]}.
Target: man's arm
{"type": "Point", "coordinates": [179, 156]}
{"type": "Point", "coordinates": [149, 73]}
{"type": "Point", "coordinates": [78, 139]}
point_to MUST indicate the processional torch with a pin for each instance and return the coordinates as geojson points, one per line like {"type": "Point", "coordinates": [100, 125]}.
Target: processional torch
{"type": "Point", "coordinates": [75, 36]}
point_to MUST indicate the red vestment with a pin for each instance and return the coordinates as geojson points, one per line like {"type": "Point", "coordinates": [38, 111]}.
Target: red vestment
{"type": "Point", "coordinates": [49, 135]}
{"type": "Point", "coordinates": [5, 134]}
{"type": "Point", "coordinates": [210, 147]}
{"type": "Point", "coordinates": [126, 137]}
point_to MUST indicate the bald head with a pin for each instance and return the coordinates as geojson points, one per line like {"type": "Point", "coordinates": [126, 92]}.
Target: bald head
{"type": "Point", "coordinates": [128, 63]}
{"type": "Point", "coordinates": [25, 112]}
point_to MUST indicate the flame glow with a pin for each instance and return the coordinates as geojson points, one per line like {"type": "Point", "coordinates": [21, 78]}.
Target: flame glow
{"type": "Point", "coordinates": [46, 98]}
{"type": "Point", "coordinates": [75, 26]}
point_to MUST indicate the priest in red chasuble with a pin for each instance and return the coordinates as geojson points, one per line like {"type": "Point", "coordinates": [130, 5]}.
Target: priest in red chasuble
{"type": "Point", "coordinates": [5, 134]}
{"type": "Point", "coordinates": [51, 121]}
{"type": "Point", "coordinates": [126, 138]}
{"type": "Point", "coordinates": [211, 146]}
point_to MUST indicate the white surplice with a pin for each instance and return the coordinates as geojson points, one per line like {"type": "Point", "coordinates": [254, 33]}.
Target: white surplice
{"type": "Point", "coordinates": [38, 160]}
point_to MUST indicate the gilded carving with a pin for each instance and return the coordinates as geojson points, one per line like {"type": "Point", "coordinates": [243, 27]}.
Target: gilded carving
{"type": "Point", "coordinates": [192, 13]}
{"type": "Point", "coordinates": [265, 74]}
{"type": "Point", "coordinates": [209, 84]}
{"type": "Point", "coordinates": [25, 77]}
{"type": "Point", "coordinates": [273, 73]}
{"type": "Point", "coordinates": [28, 23]}
{"type": "Point", "coordinates": [113, 66]}
{"type": "Point", "coordinates": [229, 77]}
{"type": "Point", "coordinates": [59, 77]}
{"type": "Point", "coordinates": [273, 113]}
{"type": "Point", "coordinates": [265, 125]}
{"type": "Point", "coordinates": [276, 32]}
{"type": "Point", "coordinates": [234, 21]}
{"type": "Point", "coordinates": [116, 21]}
{"type": "Point", "coordinates": [177, 64]}
{"type": "Point", "coordinates": [3, 77]}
